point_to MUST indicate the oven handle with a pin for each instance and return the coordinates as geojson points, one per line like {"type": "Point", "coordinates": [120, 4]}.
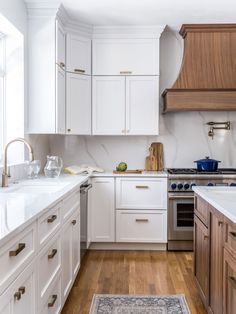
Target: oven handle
{"type": "Point", "coordinates": [172, 197]}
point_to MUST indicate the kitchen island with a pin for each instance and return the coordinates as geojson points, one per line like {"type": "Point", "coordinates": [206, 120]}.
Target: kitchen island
{"type": "Point", "coordinates": [215, 247]}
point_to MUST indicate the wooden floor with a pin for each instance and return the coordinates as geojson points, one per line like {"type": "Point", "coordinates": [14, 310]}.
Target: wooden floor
{"type": "Point", "coordinates": [133, 272]}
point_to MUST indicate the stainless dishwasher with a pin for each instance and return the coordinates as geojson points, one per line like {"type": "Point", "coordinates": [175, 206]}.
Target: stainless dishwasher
{"type": "Point", "coordinates": [84, 217]}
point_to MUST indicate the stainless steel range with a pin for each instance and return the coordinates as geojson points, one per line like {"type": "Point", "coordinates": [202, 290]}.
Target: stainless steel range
{"type": "Point", "coordinates": [181, 201]}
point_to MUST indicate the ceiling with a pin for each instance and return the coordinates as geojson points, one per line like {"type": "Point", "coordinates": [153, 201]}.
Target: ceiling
{"type": "Point", "coordinates": [151, 12]}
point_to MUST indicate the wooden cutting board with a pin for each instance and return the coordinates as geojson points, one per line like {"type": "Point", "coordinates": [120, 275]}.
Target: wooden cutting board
{"type": "Point", "coordinates": [158, 152]}
{"type": "Point", "coordinates": [127, 171]}
{"type": "Point", "coordinates": [151, 161]}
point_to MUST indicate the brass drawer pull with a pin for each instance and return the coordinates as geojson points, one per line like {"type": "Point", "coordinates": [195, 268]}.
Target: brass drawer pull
{"type": "Point", "coordinates": [142, 186]}
{"type": "Point", "coordinates": [52, 218]}
{"type": "Point", "coordinates": [54, 298]}
{"type": "Point", "coordinates": [21, 247]}
{"type": "Point", "coordinates": [205, 237]}
{"type": "Point", "coordinates": [54, 252]}
{"type": "Point", "coordinates": [141, 220]}
{"type": "Point", "coordinates": [73, 222]}
{"type": "Point", "coordinates": [79, 70]}
{"type": "Point", "coordinates": [232, 280]}
{"type": "Point", "coordinates": [125, 72]}
{"type": "Point", "coordinates": [21, 290]}
{"type": "Point", "coordinates": [17, 296]}
{"type": "Point", "coordinates": [220, 223]}
{"type": "Point", "coordinates": [232, 235]}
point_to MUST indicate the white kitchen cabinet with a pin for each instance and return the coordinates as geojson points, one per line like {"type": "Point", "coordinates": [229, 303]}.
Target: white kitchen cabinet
{"type": "Point", "coordinates": [78, 54]}
{"type": "Point", "coordinates": [141, 226]}
{"type": "Point", "coordinates": [52, 303]}
{"type": "Point", "coordinates": [141, 193]}
{"type": "Point", "coordinates": [20, 297]}
{"type": "Point", "coordinates": [78, 104]}
{"type": "Point", "coordinates": [125, 105]}
{"type": "Point", "coordinates": [108, 105]}
{"type": "Point", "coordinates": [102, 210]}
{"type": "Point", "coordinates": [70, 253]}
{"type": "Point", "coordinates": [132, 56]}
{"type": "Point", "coordinates": [46, 42]}
{"type": "Point", "coordinates": [142, 105]}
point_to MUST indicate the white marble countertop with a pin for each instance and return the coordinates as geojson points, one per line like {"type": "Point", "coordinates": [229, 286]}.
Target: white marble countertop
{"type": "Point", "coordinates": [23, 203]}
{"type": "Point", "coordinates": [223, 198]}
{"type": "Point", "coordinates": [157, 174]}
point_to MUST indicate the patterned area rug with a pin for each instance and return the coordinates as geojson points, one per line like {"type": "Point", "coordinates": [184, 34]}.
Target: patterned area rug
{"type": "Point", "coordinates": [139, 304]}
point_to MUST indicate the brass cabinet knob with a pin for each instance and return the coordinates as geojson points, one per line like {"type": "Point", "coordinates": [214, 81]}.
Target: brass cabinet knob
{"type": "Point", "coordinates": [17, 296]}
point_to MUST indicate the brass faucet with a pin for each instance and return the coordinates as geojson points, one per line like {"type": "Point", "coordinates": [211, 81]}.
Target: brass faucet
{"type": "Point", "coordinates": [5, 171]}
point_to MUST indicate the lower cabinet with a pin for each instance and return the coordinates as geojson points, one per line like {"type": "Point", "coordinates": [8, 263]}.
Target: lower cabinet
{"type": "Point", "coordinates": [141, 226]}
{"type": "Point", "coordinates": [229, 305]}
{"type": "Point", "coordinates": [52, 303]}
{"type": "Point", "coordinates": [102, 210]}
{"type": "Point", "coordinates": [70, 253]}
{"type": "Point", "coordinates": [20, 296]}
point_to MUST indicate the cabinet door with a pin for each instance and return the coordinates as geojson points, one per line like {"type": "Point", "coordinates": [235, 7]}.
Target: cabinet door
{"type": "Point", "coordinates": [125, 56]}
{"type": "Point", "coordinates": [78, 104]}
{"type": "Point", "coordinates": [60, 45]}
{"type": "Point", "coordinates": [20, 297]}
{"type": "Point", "coordinates": [229, 282]}
{"type": "Point", "coordinates": [216, 263]}
{"type": "Point", "coordinates": [142, 105]}
{"type": "Point", "coordinates": [108, 105]}
{"type": "Point", "coordinates": [201, 258]}
{"type": "Point", "coordinates": [75, 242]}
{"type": "Point", "coordinates": [102, 210]}
{"type": "Point", "coordinates": [60, 100]}
{"type": "Point", "coordinates": [78, 54]}
{"type": "Point", "coordinates": [66, 247]}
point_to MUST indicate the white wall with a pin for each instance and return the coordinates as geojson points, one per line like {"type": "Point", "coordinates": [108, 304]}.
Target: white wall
{"type": "Point", "coordinates": [184, 135]}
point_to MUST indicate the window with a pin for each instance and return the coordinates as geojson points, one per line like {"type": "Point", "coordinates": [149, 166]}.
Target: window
{"type": "Point", "coordinates": [11, 89]}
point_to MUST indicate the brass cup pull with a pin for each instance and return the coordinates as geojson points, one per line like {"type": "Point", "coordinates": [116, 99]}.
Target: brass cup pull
{"type": "Point", "coordinates": [142, 186]}
{"type": "Point", "coordinates": [21, 247]}
{"type": "Point", "coordinates": [17, 296]}
{"type": "Point", "coordinates": [54, 252]}
{"type": "Point", "coordinates": [232, 280]}
{"type": "Point", "coordinates": [54, 298]}
{"type": "Point", "coordinates": [220, 223]}
{"type": "Point", "coordinates": [73, 222]}
{"type": "Point", "coordinates": [79, 70]}
{"type": "Point", "coordinates": [141, 220]}
{"type": "Point", "coordinates": [232, 235]}
{"type": "Point", "coordinates": [125, 72]}
{"type": "Point", "coordinates": [52, 218]}
{"type": "Point", "coordinates": [21, 290]}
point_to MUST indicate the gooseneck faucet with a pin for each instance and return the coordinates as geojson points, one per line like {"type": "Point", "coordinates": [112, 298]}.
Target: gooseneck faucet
{"type": "Point", "coordinates": [5, 170]}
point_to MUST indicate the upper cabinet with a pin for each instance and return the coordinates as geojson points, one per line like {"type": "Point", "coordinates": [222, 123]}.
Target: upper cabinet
{"type": "Point", "coordinates": [60, 46]}
{"type": "Point", "coordinates": [78, 54]}
{"type": "Point", "coordinates": [128, 56]}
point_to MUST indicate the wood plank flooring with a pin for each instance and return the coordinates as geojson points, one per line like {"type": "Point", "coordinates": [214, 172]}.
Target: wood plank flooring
{"type": "Point", "coordinates": [133, 272]}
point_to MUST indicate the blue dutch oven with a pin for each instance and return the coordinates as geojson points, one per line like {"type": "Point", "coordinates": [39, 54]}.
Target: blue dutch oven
{"type": "Point", "coordinates": [207, 164]}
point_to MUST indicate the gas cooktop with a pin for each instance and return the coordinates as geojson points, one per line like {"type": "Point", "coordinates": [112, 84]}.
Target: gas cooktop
{"type": "Point", "coordinates": [193, 171]}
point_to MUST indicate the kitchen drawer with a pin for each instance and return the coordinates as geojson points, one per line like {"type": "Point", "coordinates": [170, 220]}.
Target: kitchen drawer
{"type": "Point", "coordinates": [71, 203]}
{"type": "Point", "coordinates": [144, 193]}
{"type": "Point", "coordinates": [52, 300]}
{"type": "Point", "coordinates": [49, 264]}
{"type": "Point", "coordinates": [141, 226]}
{"type": "Point", "coordinates": [16, 254]}
{"type": "Point", "coordinates": [48, 224]}
{"type": "Point", "coordinates": [201, 210]}
{"type": "Point", "coordinates": [230, 237]}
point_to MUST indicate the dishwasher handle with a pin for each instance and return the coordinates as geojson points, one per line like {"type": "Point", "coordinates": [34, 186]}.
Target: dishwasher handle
{"type": "Point", "coordinates": [85, 187]}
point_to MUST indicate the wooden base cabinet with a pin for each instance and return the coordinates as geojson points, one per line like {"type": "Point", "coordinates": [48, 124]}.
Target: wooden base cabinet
{"type": "Point", "coordinates": [229, 284]}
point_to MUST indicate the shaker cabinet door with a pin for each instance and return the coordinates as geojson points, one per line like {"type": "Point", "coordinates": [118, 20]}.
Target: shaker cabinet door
{"type": "Point", "coordinates": [60, 100]}
{"type": "Point", "coordinates": [60, 45]}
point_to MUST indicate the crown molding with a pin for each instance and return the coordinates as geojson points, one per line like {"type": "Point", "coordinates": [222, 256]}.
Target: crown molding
{"type": "Point", "coordinates": [41, 8]}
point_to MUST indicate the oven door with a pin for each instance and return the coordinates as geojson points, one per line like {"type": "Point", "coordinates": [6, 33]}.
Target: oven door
{"type": "Point", "coordinates": [180, 216]}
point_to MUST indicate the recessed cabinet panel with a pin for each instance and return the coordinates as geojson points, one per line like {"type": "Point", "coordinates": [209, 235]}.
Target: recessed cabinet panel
{"type": "Point", "coordinates": [60, 100]}
{"type": "Point", "coordinates": [125, 56]}
{"type": "Point", "coordinates": [78, 104]}
{"type": "Point", "coordinates": [142, 105]}
{"type": "Point", "coordinates": [78, 54]}
{"type": "Point", "coordinates": [109, 105]}
{"type": "Point", "coordinates": [60, 45]}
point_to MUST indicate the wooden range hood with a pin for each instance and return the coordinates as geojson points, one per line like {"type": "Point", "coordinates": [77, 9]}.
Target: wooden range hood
{"type": "Point", "coordinates": [207, 79]}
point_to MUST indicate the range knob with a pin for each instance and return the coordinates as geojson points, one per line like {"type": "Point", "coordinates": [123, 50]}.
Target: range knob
{"type": "Point", "coordinates": [193, 184]}
{"type": "Point", "coordinates": [180, 186]}
{"type": "Point", "coordinates": [173, 186]}
{"type": "Point", "coordinates": [186, 186]}
{"type": "Point", "coordinates": [233, 184]}
{"type": "Point", "coordinates": [210, 184]}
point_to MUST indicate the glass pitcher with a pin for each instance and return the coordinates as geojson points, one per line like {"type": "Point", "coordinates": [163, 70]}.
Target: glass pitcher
{"type": "Point", "coordinates": [53, 166]}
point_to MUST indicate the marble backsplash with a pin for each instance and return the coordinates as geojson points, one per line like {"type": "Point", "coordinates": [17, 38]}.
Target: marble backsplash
{"type": "Point", "coordinates": [184, 135]}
